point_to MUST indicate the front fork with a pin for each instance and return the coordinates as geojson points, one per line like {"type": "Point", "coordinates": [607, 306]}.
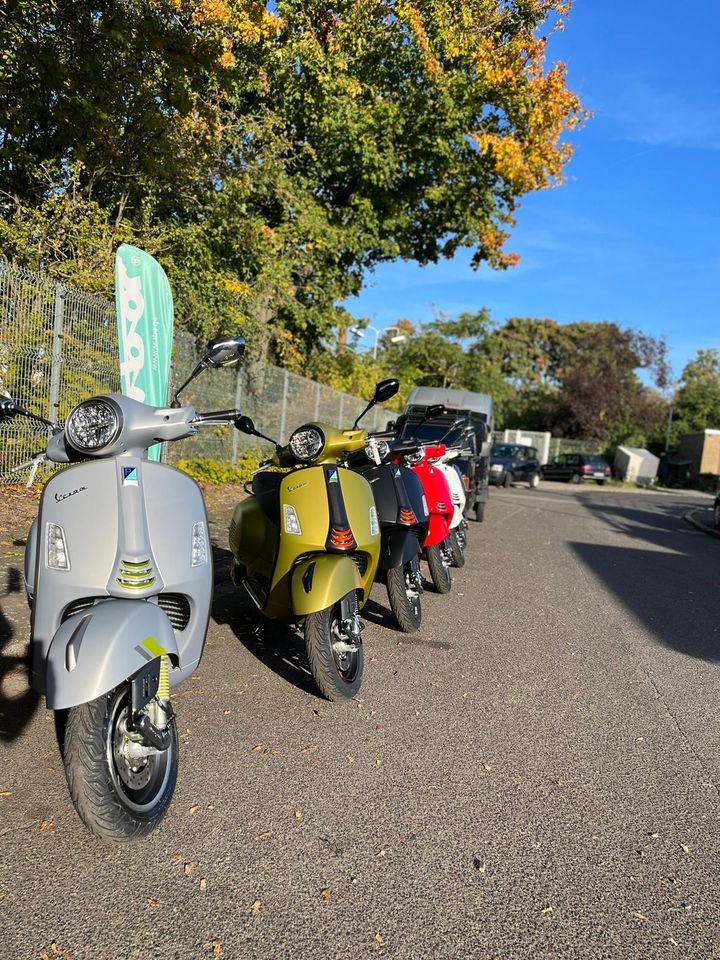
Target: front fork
{"type": "Point", "coordinates": [150, 707]}
{"type": "Point", "coordinates": [351, 623]}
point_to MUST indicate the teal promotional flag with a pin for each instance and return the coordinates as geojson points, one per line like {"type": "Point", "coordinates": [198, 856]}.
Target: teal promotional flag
{"type": "Point", "coordinates": [145, 328]}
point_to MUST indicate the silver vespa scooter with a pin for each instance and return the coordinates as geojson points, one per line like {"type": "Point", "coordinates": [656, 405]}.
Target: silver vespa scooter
{"type": "Point", "coordinates": [118, 571]}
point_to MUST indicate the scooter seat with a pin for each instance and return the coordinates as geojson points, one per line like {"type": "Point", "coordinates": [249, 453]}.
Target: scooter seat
{"type": "Point", "coordinates": [266, 487]}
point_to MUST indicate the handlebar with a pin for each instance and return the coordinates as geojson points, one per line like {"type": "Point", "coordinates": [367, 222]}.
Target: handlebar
{"type": "Point", "coordinates": [218, 416]}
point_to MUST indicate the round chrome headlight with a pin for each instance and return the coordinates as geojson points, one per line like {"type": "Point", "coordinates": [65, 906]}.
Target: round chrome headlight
{"type": "Point", "coordinates": [306, 443]}
{"type": "Point", "coordinates": [93, 424]}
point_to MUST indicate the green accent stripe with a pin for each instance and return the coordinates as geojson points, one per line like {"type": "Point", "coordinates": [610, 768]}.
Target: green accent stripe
{"type": "Point", "coordinates": [151, 644]}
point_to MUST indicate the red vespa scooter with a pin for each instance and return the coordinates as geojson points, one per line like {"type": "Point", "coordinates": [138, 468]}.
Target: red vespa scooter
{"type": "Point", "coordinates": [437, 547]}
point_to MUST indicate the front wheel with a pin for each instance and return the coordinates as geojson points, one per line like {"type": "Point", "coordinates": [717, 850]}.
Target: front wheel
{"type": "Point", "coordinates": [457, 548]}
{"type": "Point", "coordinates": [575, 478]}
{"type": "Point", "coordinates": [534, 481]}
{"type": "Point", "coordinates": [336, 656]}
{"type": "Point", "coordinates": [403, 587]}
{"type": "Point", "coordinates": [121, 789]}
{"type": "Point", "coordinates": [507, 480]}
{"type": "Point", "coordinates": [439, 567]}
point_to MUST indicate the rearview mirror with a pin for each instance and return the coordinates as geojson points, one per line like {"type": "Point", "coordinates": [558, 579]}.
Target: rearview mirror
{"type": "Point", "coordinates": [245, 425]}
{"type": "Point", "coordinates": [385, 389]}
{"type": "Point", "coordinates": [434, 410]}
{"type": "Point", "coordinates": [223, 351]}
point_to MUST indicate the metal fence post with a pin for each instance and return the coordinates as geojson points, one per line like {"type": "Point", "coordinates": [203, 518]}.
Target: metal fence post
{"type": "Point", "coordinates": [283, 412]}
{"type": "Point", "coordinates": [58, 322]}
{"type": "Point", "coordinates": [317, 402]}
{"type": "Point", "coordinates": [236, 433]}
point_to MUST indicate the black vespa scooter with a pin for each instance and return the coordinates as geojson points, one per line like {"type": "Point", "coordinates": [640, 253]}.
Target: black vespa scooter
{"type": "Point", "coordinates": [403, 518]}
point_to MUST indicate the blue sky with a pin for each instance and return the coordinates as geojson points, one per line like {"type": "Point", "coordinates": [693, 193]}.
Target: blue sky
{"type": "Point", "coordinates": [633, 235]}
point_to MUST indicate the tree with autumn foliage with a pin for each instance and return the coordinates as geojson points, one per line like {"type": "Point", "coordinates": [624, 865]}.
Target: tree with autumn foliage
{"type": "Point", "coordinates": [270, 154]}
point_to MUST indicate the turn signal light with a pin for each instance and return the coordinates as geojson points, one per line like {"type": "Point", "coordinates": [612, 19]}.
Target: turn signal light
{"type": "Point", "coordinates": [407, 516]}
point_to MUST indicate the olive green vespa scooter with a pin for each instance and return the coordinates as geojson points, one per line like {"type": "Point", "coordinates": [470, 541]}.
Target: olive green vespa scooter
{"type": "Point", "coordinates": [306, 545]}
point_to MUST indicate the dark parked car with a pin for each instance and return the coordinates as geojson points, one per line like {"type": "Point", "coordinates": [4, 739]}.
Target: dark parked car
{"type": "Point", "coordinates": [514, 463]}
{"type": "Point", "coordinates": [576, 467]}
{"type": "Point", "coordinates": [716, 507]}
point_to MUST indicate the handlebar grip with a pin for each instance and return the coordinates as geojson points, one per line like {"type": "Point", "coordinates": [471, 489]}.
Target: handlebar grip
{"type": "Point", "coordinates": [227, 415]}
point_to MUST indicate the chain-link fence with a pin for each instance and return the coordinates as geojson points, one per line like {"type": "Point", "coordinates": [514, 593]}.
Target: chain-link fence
{"type": "Point", "coordinates": [58, 346]}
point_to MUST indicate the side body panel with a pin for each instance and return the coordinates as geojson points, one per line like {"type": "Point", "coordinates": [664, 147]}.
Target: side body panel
{"type": "Point", "coordinates": [128, 527]}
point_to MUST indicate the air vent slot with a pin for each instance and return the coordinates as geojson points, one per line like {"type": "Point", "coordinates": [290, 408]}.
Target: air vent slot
{"type": "Point", "coordinates": [361, 562]}
{"type": "Point", "coordinates": [136, 574]}
{"type": "Point", "coordinates": [176, 608]}
{"type": "Point", "coordinates": [77, 606]}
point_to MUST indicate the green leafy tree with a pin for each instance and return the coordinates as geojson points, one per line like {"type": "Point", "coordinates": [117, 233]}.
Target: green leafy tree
{"type": "Point", "coordinates": [697, 405]}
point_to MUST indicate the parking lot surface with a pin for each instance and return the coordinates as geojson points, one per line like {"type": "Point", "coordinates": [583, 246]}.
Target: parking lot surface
{"type": "Point", "coordinates": [533, 775]}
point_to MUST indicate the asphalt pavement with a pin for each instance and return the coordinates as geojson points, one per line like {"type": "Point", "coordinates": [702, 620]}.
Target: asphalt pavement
{"type": "Point", "coordinates": [534, 775]}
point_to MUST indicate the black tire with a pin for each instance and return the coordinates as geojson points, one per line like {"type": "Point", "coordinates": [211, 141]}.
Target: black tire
{"type": "Point", "coordinates": [600, 483]}
{"type": "Point", "coordinates": [404, 603]}
{"type": "Point", "coordinates": [108, 805]}
{"type": "Point", "coordinates": [338, 676]}
{"type": "Point", "coordinates": [480, 512]}
{"type": "Point", "coordinates": [534, 481]}
{"type": "Point", "coordinates": [716, 515]}
{"type": "Point", "coordinates": [439, 570]}
{"type": "Point", "coordinates": [458, 550]}
{"type": "Point", "coordinates": [507, 479]}
{"type": "Point", "coordinates": [575, 478]}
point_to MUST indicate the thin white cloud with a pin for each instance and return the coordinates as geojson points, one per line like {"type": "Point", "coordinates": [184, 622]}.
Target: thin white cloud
{"type": "Point", "coordinates": [645, 114]}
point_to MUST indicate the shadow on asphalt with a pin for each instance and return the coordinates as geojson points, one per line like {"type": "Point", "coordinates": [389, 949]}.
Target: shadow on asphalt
{"type": "Point", "coordinates": [275, 645]}
{"type": "Point", "coordinates": [16, 712]}
{"type": "Point", "coordinates": [673, 589]}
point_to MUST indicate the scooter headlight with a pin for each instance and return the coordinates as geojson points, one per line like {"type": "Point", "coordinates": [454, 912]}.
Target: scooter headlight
{"type": "Point", "coordinates": [306, 443]}
{"type": "Point", "coordinates": [93, 424]}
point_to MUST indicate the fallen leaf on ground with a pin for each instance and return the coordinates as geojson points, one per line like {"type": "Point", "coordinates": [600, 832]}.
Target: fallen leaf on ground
{"type": "Point", "coordinates": [487, 766]}
{"type": "Point", "coordinates": [379, 940]}
{"type": "Point", "coordinates": [5, 793]}
{"type": "Point", "coordinates": [255, 908]}
{"type": "Point", "coordinates": [309, 749]}
{"type": "Point", "coordinates": [325, 894]}
{"type": "Point", "coordinates": [256, 749]}
{"type": "Point", "coordinates": [381, 853]}
{"type": "Point", "coordinates": [216, 948]}
{"type": "Point", "coordinates": [265, 834]}
{"type": "Point", "coordinates": [685, 848]}
{"type": "Point", "coordinates": [547, 910]}
{"type": "Point", "coordinates": [203, 885]}
{"type": "Point", "coordinates": [639, 916]}
{"type": "Point", "coordinates": [673, 942]}
{"type": "Point", "coordinates": [152, 902]}
{"type": "Point", "coordinates": [194, 808]}
{"type": "Point", "coordinates": [188, 869]}
{"type": "Point", "coordinates": [298, 814]}
{"type": "Point", "coordinates": [47, 826]}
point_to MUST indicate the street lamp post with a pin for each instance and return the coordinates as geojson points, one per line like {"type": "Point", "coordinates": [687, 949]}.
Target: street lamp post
{"type": "Point", "coordinates": [360, 332]}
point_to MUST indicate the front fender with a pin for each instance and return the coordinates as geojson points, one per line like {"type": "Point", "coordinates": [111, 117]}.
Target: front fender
{"type": "Point", "coordinates": [439, 529]}
{"type": "Point", "coordinates": [321, 580]}
{"type": "Point", "coordinates": [398, 546]}
{"type": "Point", "coordinates": [99, 648]}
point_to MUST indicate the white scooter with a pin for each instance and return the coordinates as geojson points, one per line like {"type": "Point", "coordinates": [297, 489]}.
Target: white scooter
{"type": "Point", "coordinates": [118, 571]}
